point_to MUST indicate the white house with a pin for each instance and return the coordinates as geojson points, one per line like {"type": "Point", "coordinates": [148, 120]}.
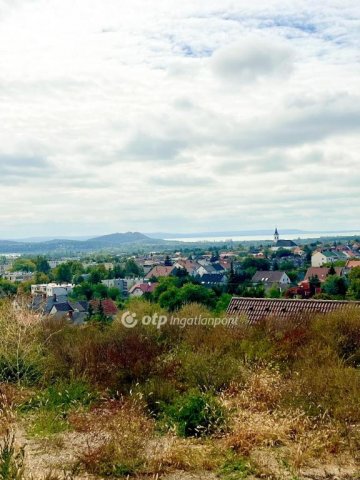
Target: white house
{"type": "Point", "coordinates": [318, 259]}
{"type": "Point", "coordinates": [51, 289]}
{"type": "Point", "coordinates": [271, 278]}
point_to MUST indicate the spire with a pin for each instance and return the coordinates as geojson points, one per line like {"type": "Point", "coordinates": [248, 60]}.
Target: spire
{"type": "Point", "coordinates": [276, 235]}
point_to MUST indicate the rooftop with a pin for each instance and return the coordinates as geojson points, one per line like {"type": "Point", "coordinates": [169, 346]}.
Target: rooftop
{"type": "Point", "coordinates": [257, 309]}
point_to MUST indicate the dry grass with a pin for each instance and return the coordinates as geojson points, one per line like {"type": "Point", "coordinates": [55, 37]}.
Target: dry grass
{"type": "Point", "coordinates": [120, 444]}
{"type": "Point", "coordinates": [260, 421]}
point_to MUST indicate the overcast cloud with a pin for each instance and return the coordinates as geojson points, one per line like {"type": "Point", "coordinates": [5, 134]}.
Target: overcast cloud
{"type": "Point", "coordinates": [178, 116]}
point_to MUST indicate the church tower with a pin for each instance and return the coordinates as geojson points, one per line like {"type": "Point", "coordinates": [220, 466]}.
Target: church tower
{"type": "Point", "coordinates": [276, 235]}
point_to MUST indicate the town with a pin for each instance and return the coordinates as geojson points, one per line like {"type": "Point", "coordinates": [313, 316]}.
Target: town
{"type": "Point", "coordinates": [96, 286]}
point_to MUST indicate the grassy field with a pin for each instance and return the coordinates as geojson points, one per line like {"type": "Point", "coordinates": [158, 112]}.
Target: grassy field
{"type": "Point", "coordinates": [276, 401]}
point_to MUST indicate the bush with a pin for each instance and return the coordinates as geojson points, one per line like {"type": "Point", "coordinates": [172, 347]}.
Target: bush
{"type": "Point", "coordinates": [205, 370]}
{"type": "Point", "coordinates": [197, 414]}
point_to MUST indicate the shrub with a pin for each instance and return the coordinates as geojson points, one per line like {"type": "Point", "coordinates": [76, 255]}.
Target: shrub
{"type": "Point", "coordinates": [197, 414]}
{"type": "Point", "coordinates": [206, 370]}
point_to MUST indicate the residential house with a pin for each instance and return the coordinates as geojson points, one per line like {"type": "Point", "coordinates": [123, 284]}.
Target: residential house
{"type": "Point", "coordinates": [350, 264]}
{"type": "Point", "coordinates": [140, 289]}
{"type": "Point", "coordinates": [160, 271]}
{"type": "Point", "coordinates": [51, 289]}
{"type": "Point", "coordinates": [213, 280]}
{"type": "Point", "coordinates": [209, 268]}
{"type": "Point", "coordinates": [270, 278]}
{"type": "Point", "coordinates": [321, 273]}
{"type": "Point", "coordinates": [255, 310]}
{"type": "Point", "coordinates": [77, 312]}
{"type": "Point", "coordinates": [119, 283]}
{"type": "Point", "coordinates": [320, 258]}
{"type": "Point", "coordinates": [189, 265]}
{"type": "Point", "coordinates": [17, 276]}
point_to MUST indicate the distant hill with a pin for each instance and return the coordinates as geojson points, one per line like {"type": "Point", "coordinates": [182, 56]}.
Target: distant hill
{"type": "Point", "coordinates": [116, 239]}
{"type": "Point", "coordinates": [105, 242]}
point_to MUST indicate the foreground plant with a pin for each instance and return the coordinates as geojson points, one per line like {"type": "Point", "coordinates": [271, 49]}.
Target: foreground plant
{"type": "Point", "coordinates": [11, 460]}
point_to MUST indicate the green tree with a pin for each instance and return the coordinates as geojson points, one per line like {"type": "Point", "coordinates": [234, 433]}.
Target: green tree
{"type": "Point", "coordinates": [23, 265]}
{"type": "Point", "coordinates": [42, 265]}
{"type": "Point", "coordinates": [62, 273]}
{"type": "Point", "coordinates": [95, 277]}
{"type": "Point", "coordinates": [335, 286]}
{"type": "Point", "coordinates": [132, 269]}
{"type": "Point", "coordinates": [274, 292]}
{"type": "Point", "coordinates": [256, 263]}
{"type": "Point", "coordinates": [354, 284]}
{"type": "Point", "coordinates": [197, 293]}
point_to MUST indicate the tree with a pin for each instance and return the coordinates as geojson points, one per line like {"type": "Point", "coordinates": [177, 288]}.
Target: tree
{"type": "Point", "coordinates": [132, 269]}
{"type": "Point", "coordinates": [62, 273]}
{"type": "Point", "coordinates": [170, 299]}
{"type": "Point", "coordinates": [197, 293]}
{"type": "Point", "coordinates": [274, 292]}
{"type": "Point", "coordinates": [256, 263]}
{"type": "Point", "coordinates": [42, 265]}
{"type": "Point", "coordinates": [168, 262]}
{"type": "Point", "coordinates": [41, 278]}
{"type": "Point", "coordinates": [314, 283]}
{"type": "Point", "coordinates": [23, 265]}
{"type": "Point", "coordinates": [332, 270]}
{"type": "Point", "coordinates": [95, 277]}
{"type": "Point", "coordinates": [354, 284]}
{"type": "Point", "coordinates": [335, 286]}
{"type": "Point", "coordinates": [7, 288]}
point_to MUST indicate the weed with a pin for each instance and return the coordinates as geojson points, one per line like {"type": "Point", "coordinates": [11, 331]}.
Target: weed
{"type": "Point", "coordinates": [236, 468]}
{"type": "Point", "coordinates": [11, 460]}
{"type": "Point", "coordinates": [197, 414]}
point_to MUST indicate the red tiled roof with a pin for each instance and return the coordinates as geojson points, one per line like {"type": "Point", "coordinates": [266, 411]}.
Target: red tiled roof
{"type": "Point", "coordinates": [352, 263]}
{"type": "Point", "coordinates": [257, 309]}
{"type": "Point", "coordinates": [189, 265]}
{"type": "Point", "coordinates": [160, 271]}
{"type": "Point", "coordinates": [321, 272]}
{"type": "Point", "coordinates": [144, 287]}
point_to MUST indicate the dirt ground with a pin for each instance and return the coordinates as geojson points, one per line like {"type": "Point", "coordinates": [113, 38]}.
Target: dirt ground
{"type": "Point", "coordinates": [59, 454]}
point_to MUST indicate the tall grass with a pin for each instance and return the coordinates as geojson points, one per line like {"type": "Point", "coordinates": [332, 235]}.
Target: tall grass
{"type": "Point", "coordinates": [280, 384]}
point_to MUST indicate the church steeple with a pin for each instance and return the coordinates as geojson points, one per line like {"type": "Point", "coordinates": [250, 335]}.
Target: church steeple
{"type": "Point", "coordinates": [276, 235]}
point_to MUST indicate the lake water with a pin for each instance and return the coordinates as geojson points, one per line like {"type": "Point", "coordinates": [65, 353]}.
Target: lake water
{"type": "Point", "coordinates": [249, 238]}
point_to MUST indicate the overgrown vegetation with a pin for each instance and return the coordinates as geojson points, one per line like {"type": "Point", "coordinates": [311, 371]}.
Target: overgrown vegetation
{"type": "Point", "coordinates": [147, 401]}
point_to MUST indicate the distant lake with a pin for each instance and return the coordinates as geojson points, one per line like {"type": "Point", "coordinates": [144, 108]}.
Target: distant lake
{"type": "Point", "coordinates": [249, 238]}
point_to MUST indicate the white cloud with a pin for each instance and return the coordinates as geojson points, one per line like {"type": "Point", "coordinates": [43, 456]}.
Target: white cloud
{"type": "Point", "coordinates": [178, 115]}
{"type": "Point", "coordinates": [253, 58]}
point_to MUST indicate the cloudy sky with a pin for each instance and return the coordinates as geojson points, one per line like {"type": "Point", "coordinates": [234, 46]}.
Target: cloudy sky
{"type": "Point", "coordinates": [181, 116]}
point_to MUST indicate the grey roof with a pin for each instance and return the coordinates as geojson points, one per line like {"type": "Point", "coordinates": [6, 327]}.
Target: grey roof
{"type": "Point", "coordinates": [257, 309]}
{"type": "Point", "coordinates": [212, 278]}
{"type": "Point", "coordinates": [267, 276]}
{"type": "Point", "coordinates": [51, 301]}
{"type": "Point", "coordinates": [217, 267]}
{"type": "Point", "coordinates": [285, 243]}
{"type": "Point", "coordinates": [63, 307]}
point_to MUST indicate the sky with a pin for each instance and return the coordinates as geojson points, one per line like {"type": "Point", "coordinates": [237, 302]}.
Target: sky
{"type": "Point", "coordinates": [178, 116]}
